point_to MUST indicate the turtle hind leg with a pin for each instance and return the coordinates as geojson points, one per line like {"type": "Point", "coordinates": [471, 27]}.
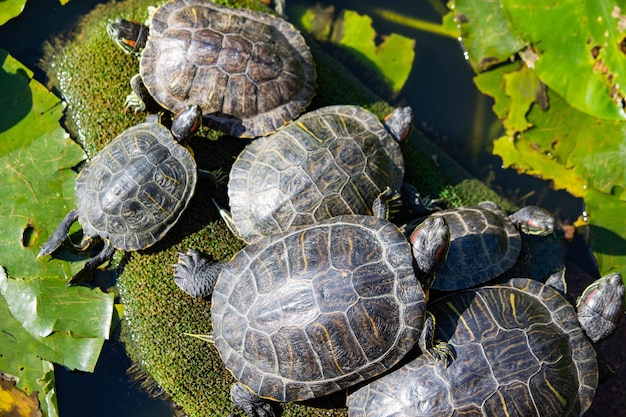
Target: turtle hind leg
{"type": "Point", "coordinates": [195, 275]}
{"type": "Point", "coordinates": [54, 242]}
{"type": "Point", "coordinates": [251, 404]}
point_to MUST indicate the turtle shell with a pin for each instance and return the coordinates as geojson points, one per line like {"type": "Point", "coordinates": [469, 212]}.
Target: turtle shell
{"type": "Point", "coordinates": [483, 244]}
{"type": "Point", "coordinates": [250, 72]}
{"type": "Point", "coordinates": [519, 351]}
{"type": "Point", "coordinates": [332, 161]}
{"type": "Point", "coordinates": [135, 189]}
{"type": "Point", "coordinates": [314, 310]}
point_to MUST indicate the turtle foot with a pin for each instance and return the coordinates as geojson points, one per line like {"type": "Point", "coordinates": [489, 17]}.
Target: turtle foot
{"type": "Point", "coordinates": [195, 275]}
{"type": "Point", "coordinates": [251, 404]}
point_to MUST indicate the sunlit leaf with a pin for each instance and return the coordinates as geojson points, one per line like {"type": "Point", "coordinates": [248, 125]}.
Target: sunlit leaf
{"type": "Point", "coordinates": [578, 152]}
{"type": "Point", "coordinates": [21, 359]}
{"type": "Point", "coordinates": [10, 9]}
{"type": "Point", "coordinates": [47, 306]}
{"type": "Point", "coordinates": [485, 32]}
{"type": "Point", "coordinates": [393, 57]}
{"type": "Point", "coordinates": [36, 157]}
{"type": "Point", "coordinates": [607, 230]}
{"type": "Point", "coordinates": [523, 87]}
{"type": "Point", "coordinates": [581, 50]}
{"type": "Point", "coordinates": [15, 402]}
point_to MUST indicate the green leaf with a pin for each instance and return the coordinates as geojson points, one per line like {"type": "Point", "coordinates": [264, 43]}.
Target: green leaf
{"type": "Point", "coordinates": [36, 157]}
{"type": "Point", "coordinates": [607, 230]}
{"type": "Point", "coordinates": [523, 87]}
{"type": "Point", "coordinates": [581, 50]}
{"type": "Point", "coordinates": [46, 306]}
{"type": "Point", "coordinates": [10, 9]}
{"type": "Point", "coordinates": [393, 57]}
{"type": "Point", "coordinates": [485, 32]}
{"type": "Point", "coordinates": [20, 358]}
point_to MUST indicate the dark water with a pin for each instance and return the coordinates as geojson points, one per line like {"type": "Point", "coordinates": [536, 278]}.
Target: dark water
{"type": "Point", "coordinates": [447, 107]}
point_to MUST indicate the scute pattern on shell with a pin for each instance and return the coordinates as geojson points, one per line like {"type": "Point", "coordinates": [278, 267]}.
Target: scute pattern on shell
{"type": "Point", "coordinates": [308, 312]}
{"type": "Point", "coordinates": [136, 188]}
{"type": "Point", "coordinates": [517, 344]}
{"type": "Point", "coordinates": [483, 245]}
{"type": "Point", "coordinates": [332, 161]}
{"type": "Point", "coordinates": [250, 72]}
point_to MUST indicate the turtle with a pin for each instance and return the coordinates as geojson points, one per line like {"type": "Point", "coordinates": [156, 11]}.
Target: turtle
{"type": "Point", "coordinates": [249, 71]}
{"type": "Point", "coordinates": [331, 161]}
{"type": "Point", "coordinates": [485, 242]}
{"type": "Point", "coordinates": [519, 351]}
{"type": "Point", "coordinates": [313, 310]}
{"type": "Point", "coordinates": [135, 189]}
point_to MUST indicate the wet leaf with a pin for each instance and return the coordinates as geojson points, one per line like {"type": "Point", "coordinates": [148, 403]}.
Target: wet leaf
{"type": "Point", "coordinates": [393, 56]}
{"type": "Point", "coordinates": [20, 358]}
{"type": "Point", "coordinates": [578, 152]}
{"type": "Point", "coordinates": [10, 9]}
{"type": "Point", "coordinates": [36, 157]}
{"type": "Point", "coordinates": [485, 32]}
{"type": "Point", "coordinates": [585, 65]}
{"type": "Point", "coordinates": [15, 402]}
{"type": "Point", "coordinates": [47, 306]}
{"type": "Point", "coordinates": [523, 87]}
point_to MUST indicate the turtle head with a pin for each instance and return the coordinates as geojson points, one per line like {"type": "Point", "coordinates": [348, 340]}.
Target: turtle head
{"type": "Point", "coordinates": [131, 36]}
{"type": "Point", "coordinates": [601, 306]}
{"type": "Point", "coordinates": [398, 123]}
{"type": "Point", "coordinates": [430, 242]}
{"type": "Point", "coordinates": [187, 122]}
{"type": "Point", "coordinates": [533, 220]}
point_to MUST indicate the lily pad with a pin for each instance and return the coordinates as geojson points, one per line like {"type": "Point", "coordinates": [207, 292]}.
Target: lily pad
{"type": "Point", "coordinates": [10, 9]}
{"type": "Point", "coordinates": [584, 65]}
{"type": "Point", "coordinates": [580, 153]}
{"type": "Point", "coordinates": [392, 58]}
{"type": "Point", "coordinates": [36, 160]}
{"type": "Point", "coordinates": [485, 32]}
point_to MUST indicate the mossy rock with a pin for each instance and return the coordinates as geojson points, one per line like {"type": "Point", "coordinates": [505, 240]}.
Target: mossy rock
{"type": "Point", "coordinates": [92, 75]}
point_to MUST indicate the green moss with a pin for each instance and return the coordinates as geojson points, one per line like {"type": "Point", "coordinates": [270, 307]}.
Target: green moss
{"type": "Point", "coordinates": [92, 74]}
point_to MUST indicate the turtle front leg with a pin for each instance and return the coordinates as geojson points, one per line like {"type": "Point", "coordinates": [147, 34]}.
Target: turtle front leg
{"type": "Point", "coordinates": [437, 349]}
{"type": "Point", "coordinates": [195, 275]}
{"type": "Point", "coordinates": [251, 404]}
{"type": "Point", "coordinates": [140, 99]}
{"type": "Point", "coordinates": [54, 242]}
{"type": "Point", "coordinates": [386, 203]}
{"type": "Point", "coordinates": [105, 254]}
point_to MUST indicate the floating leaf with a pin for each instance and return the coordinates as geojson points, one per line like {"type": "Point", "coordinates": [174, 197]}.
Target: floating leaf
{"type": "Point", "coordinates": [10, 9]}
{"type": "Point", "coordinates": [607, 230]}
{"type": "Point", "coordinates": [47, 306]}
{"type": "Point", "coordinates": [36, 157]}
{"type": "Point", "coordinates": [21, 358]}
{"type": "Point", "coordinates": [578, 152]}
{"type": "Point", "coordinates": [485, 32]}
{"type": "Point", "coordinates": [584, 65]}
{"type": "Point", "coordinates": [393, 57]}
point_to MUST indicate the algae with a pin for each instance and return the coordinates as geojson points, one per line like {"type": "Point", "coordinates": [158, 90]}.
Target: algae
{"type": "Point", "coordinates": [92, 75]}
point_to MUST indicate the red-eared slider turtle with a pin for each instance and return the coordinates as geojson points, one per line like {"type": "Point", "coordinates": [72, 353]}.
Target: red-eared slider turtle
{"type": "Point", "coordinates": [332, 161]}
{"type": "Point", "coordinates": [485, 242]}
{"type": "Point", "coordinates": [314, 310]}
{"type": "Point", "coordinates": [250, 72]}
{"type": "Point", "coordinates": [519, 351]}
{"type": "Point", "coordinates": [135, 189]}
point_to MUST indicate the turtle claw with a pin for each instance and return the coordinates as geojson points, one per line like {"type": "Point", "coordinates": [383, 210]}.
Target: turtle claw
{"type": "Point", "coordinates": [195, 275]}
{"type": "Point", "coordinates": [251, 404]}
